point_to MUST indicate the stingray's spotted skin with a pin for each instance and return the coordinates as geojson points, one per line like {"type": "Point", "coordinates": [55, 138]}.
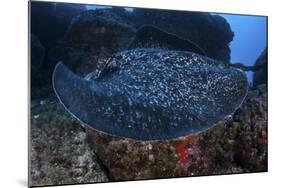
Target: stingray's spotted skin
{"type": "Point", "coordinates": [153, 94]}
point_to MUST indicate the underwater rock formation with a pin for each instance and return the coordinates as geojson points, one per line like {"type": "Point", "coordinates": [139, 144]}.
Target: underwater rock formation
{"type": "Point", "coordinates": [102, 32]}
{"type": "Point", "coordinates": [260, 75]}
{"type": "Point", "coordinates": [49, 23]}
{"type": "Point", "coordinates": [236, 145]}
{"type": "Point", "coordinates": [92, 35]}
{"type": "Point", "coordinates": [153, 94]}
{"type": "Point", "coordinates": [59, 152]}
{"type": "Point", "coordinates": [51, 20]}
{"type": "Point", "coordinates": [66, 151]}
{"type": "Point", "coordinates": [152, 37]}
{"type": "Point", "coordinates": [37, 57]}
{"type": "Point", "coordinates": [62, 152]}
{"type": "Point", "coordinates": [211, 32]}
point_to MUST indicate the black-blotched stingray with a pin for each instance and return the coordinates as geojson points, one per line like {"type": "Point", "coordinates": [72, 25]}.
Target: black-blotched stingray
{"type": "Point", "coordinates": [153, 94]}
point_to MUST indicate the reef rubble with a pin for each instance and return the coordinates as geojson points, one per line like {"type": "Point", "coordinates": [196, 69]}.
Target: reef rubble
{"type": "Point", "coordinates": [59, 153]}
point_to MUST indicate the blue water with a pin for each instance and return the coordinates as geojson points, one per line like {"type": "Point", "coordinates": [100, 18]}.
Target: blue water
{"type": "Point", "coordinates": [93, 7]}
{"type": "Point", "coordinates": [250, 38]}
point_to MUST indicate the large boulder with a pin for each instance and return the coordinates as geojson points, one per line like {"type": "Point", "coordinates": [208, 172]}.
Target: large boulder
{"type": "Point", "coordinates": [211, 32]}
{"type": "Point", "coordinates": [260, 75]}
{"type": "Point", "coordinates": [92, 35]}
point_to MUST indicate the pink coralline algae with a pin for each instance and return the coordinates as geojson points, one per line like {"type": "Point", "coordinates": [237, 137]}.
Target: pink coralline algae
{"type": "Point", "coordinates": [181, 149]}
{"type": "Point", "coordinates": [151, 157]}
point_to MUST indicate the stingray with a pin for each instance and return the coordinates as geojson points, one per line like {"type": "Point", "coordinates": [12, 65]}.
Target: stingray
{"type": "Point", "coordinates": [153, 94]}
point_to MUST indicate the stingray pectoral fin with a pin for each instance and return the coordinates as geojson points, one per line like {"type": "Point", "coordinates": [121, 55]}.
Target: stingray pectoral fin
{"type": "Point", "coordinates": [72, 91]}
{"type": "Point", "coordinates": [87, 101]}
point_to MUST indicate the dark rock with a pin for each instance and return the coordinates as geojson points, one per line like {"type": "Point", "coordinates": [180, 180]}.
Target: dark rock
{"type": "Point", "coordinates": [37, 58]}
{"type": "Point", "coordinates": [92, 35]}
{"type": "Point", "coordinates": [39, 88]}
{"type": "Point", "coordinates": [211, 32]}
{"type": "Point", "coordinates": [99, 28]}
{"type": "Point", "coordinates": [152, 37]}
{"type": "Point", "coordinates": [260, 75]}
{"type": "Point", "coordinates": [51, 20]}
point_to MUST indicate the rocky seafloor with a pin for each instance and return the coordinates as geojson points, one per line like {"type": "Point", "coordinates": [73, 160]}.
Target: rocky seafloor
{"type": "Point", "coordinates": [63, 152]}
{"type": "Point", "coordinates": [59, 151]}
